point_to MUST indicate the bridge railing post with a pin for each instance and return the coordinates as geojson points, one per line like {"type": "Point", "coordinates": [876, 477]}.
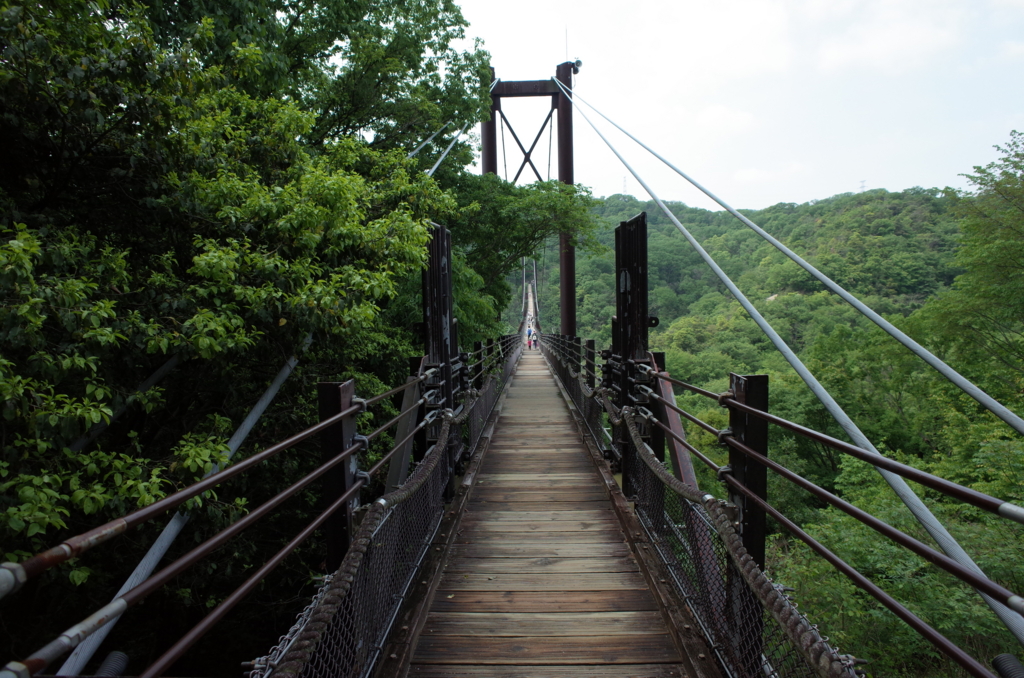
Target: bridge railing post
{"type": "Point", "coordinates": [752, 431]}
{"type": "Point", "coordinates": [750, 390]}
{"type": "Point", "coordinates": [398, 469]}
{"type": "Point", "coordinates": [577, 355]}
{"type": "Point", "coordinates": [480, 359]}
{"type": "Point", "coordinates": [591, 362]}
{"type": "Point", "coordinates": [332, 398]}
{"type": "Point", "coordinates": [563, 357]}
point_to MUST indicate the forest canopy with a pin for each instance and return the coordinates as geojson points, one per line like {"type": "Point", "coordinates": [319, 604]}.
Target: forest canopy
{"type": "Point", "coordinates": [943, 266]}
{"type": "Point", "coordinates": [204, 189]}
{"type": "Point", "coordinates": [197, 190]}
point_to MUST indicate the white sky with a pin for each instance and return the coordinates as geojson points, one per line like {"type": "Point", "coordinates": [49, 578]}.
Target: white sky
{"type": "Point", "coordinates": [768, 101]}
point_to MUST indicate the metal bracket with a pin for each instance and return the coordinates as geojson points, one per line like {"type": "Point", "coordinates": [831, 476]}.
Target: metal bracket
{"type": "Point", "coordinates": [644, 416]}
{"type": "Point", "coordinates": [732, 511]}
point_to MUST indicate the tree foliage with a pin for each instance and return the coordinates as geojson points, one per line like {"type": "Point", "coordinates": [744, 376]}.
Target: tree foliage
{"type": "Point", "coordinates": [943, 266]}
{"type": "Point", "coordinates": [205, 187]}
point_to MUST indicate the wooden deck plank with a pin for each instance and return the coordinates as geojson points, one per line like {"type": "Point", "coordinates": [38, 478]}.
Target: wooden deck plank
{"type": "Point", "coordinates": [537, 671]}
{"type": "Point", "coordinates": [579, 551]}
{"type": "Point", "coordinates": [574, 581]}
{"type": "Point", "coordinates": [553, 624]}
{"type": "Point", "coordinates": [508, 495]}
{"type": "Point", "coordinates": [542, 466]}
{"type": "Point", "coordinates": [480, 514]}
{"type": "Point", "coordinates": [540, 526]}
{"type": "Point", "coordinates": [527, 484]}
{"type": "Point", "coordinates": [542, 538]}
{"type": "Point", "coordinates": [544, 601]}
{"type": "Point", "coordinates": [525, 650]}
{"type": "Point", "coordinates": [539, 581]}
{"type": "Point", "coordinates": [513, 442]}
{"type": "Point", "coordinates": [543, 564]}
{"type": "Point", "coordinates": [495, 507]}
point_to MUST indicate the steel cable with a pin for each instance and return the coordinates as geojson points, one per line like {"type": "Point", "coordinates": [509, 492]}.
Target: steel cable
{"type": "Point", "coordinates": [754, 576]}
{"type": "Point", "coordinates": [1013, 621]}
{"type": "Point", "coordinates": [987, 401]}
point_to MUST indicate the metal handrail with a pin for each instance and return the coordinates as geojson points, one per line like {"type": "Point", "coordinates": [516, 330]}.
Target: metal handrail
{"type": "Point", "coordinates": [79, 544]}
{"type": "Point", "coordinates": [975, 579]}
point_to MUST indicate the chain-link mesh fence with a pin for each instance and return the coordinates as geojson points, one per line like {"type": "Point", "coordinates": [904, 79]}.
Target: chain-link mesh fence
{"type": "Point", "coordinates": [752, 626]}
{"type": "Point", "coordinates": [746, 637]}
{"type": "Point", "coordinates": [346, 626]}
{"type": "Point", "coordinates": [577, 376]}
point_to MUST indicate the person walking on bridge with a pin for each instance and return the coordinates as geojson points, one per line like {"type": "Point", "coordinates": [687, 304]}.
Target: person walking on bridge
{"type": "Point", "coordinates": [529, 337]}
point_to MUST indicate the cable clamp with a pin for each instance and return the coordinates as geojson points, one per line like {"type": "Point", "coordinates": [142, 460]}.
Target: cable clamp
{"type": "Point", "coordinates": [363, 476]}
{"type": "Point", "coordinates": [644, 416]}
{"type": "Point", "coordinates": [361, 403]}
{"type": "Point", "coordinates": [732, 512]}
{"type": "Point", "coordinates": [12, 576]}
{"type": "Point", "coordinates": [363, 441]}
{"type": "Point", "coordinates": [722, 434]}
{"type": "Point", "coordinates": [723, 396]}
{"type": "Point", "coordinates": [722, 471]}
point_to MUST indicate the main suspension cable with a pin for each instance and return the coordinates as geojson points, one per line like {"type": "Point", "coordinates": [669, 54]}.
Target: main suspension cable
{"type": "Point", "coordinates": [413, 153]}
{"type": "Point", "coordinates": [968, 387]}
{"type": "Point", "coordinates": [1013, 621]}
{"type": "Point", "coordinates": [444, 155]}
{"type": "Point", "coordinates": [76, 662]}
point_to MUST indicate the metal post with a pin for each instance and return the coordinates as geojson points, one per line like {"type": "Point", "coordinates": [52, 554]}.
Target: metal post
{"type": "Point", "coordinates": [750, 390]}
{"type": "Point", "coordinates": [332, 398]}
{"type": "Point", "coordinates": [478, 373]}
{"type": "Point", "coordinates": [631, 289]}
{"type": "Point", "coordinates": [655, 508]}
{"type": "Point", "coordinates": [489, 137]}
{"type": "Point", "coordinates": [439, 333]}
{"type": "Point", "coordinates": [591, 362]}
{"type": "Point", "coordinates": [536, 298]}
{"type": "Point", "coordinates": [398, 469]}
{"type": "Point", "coordinates": [566, 252]}
{"type": "Point", "coordinates": [744, 608]}
{"type": "Point", "coordinates": [417, 364]}
{"type": "Point", "coordinates": [577, 356]}
{"type": "Point", "coordinates": [657, 441]}
{"type": "Point", "coordinates": [629, 330]}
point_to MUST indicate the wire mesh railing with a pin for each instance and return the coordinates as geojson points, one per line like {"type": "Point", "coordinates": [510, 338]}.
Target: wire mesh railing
{"type": "Point", "coordinates": [474, 397]}
{"type": "Point", "coordinates": [750, 623]}
{"type": "Point", "coordinates": [707, 544]}
{"type": "Point", "coordinates": [344, 629]}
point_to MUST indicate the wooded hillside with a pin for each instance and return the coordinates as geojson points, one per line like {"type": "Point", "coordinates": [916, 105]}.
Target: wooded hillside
{"type": "Point", "coordinates": [209, 187]}
{"type": "Point", "coordinates": [941, 265]}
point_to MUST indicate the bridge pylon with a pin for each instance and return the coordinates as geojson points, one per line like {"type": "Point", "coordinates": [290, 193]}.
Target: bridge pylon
{"type": "Point", "coordinates": [489, 160]}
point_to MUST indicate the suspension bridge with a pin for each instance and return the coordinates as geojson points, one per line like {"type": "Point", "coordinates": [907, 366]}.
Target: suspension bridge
{"type": "Point", "coordinates": [541, 514]}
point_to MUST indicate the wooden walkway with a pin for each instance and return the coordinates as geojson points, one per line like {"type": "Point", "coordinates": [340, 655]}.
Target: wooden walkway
{"type": "Point", "coordinates": [540, 582]}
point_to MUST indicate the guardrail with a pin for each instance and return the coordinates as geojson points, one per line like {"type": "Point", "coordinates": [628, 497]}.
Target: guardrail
{"type": "Point", "coordinates": [476, 386]}
{"type": "Point", "coordinates": [715, 549]}
{"type": "Point", "coordinates": [349, 621]}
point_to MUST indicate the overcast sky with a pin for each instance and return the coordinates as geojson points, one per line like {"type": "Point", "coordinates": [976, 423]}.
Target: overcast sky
{"type": "Point", "coordinates": [768, 101]}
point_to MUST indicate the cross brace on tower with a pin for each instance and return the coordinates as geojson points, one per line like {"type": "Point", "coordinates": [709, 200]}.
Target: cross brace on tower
{"type": "Point", "coordinates": [489, 159]}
